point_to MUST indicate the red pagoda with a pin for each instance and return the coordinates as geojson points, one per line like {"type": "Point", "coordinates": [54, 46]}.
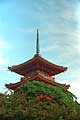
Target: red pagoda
{"type": "Point", "coordinates": [37, 68]}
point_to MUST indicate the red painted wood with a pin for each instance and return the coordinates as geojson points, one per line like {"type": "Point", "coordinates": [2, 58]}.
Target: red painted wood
{"type": "Point", "coordinates": [40, 76]}
{"type": "Point", "coordinates": [37, 63]}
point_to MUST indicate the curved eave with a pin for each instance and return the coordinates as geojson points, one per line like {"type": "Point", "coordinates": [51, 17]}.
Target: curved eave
{"type": "Point", "coordinates": [20, 69]}
{"type": "Point", "coordinates": [37, 76]}
{"type": "Point", "coordinates": [52, 73]}
{"type": "Point", "coordinates": [16, 85]}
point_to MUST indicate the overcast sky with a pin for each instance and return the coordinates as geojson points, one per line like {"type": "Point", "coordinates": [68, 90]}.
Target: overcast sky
{"type": "Point", "coordinates": [58, 22]}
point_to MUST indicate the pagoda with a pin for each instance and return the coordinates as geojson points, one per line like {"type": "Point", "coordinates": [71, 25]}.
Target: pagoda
{"type": "Point", "coordinates": [38, 69]}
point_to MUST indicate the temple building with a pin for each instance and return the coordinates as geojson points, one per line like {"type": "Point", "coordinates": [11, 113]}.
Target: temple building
{"type": "Point", "coordinates": [37, 68]}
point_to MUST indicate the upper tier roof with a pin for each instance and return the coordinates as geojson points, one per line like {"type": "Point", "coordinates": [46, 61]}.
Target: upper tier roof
{"type": "Point", "coordinates": [37, 63]}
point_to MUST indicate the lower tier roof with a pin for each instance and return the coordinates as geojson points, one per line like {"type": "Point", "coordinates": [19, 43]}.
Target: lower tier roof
{"type": "Point", "coordinates": [36, 76]}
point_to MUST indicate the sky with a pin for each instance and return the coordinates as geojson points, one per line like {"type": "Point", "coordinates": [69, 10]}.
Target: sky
{"type": "Point", "coordinates": [58, 22]}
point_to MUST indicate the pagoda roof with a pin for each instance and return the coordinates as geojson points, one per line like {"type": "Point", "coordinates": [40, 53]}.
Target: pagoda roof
{"type": "Point", "coordinates": [36, 76]}
{"type": "Point", "coordinates": [37, 63]}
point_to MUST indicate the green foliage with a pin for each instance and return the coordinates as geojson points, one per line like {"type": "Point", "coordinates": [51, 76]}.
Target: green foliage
{"type": "Point", "coordinates": [22, 105]}
{"type": "Point", "coordinates": [34, 88]}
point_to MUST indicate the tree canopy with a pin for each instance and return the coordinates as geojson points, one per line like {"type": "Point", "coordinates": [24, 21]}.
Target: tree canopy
{"type": "Point", "coordinates": [39, 101]}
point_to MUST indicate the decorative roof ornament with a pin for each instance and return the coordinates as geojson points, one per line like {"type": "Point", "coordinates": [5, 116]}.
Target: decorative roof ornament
{"type": "Point", "coordinates": [37, 44]}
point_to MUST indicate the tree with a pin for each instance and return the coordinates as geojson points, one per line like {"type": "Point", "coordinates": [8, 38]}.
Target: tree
{"type": "Point", "coordinates": [39, 101]}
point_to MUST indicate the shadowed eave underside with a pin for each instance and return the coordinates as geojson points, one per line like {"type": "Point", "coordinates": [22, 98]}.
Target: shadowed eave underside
{"type": "Point", "coordinates": [37, 63]}
{"type": "Point", "coordinates": [39, 76]}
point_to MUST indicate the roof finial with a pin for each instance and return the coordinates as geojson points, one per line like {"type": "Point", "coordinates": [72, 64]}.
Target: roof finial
{"type": "Point", "coordinates": [37, 44]}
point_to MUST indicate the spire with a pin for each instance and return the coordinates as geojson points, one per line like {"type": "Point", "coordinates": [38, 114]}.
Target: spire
{"type": "Point", "coordinates": [37, 44]}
